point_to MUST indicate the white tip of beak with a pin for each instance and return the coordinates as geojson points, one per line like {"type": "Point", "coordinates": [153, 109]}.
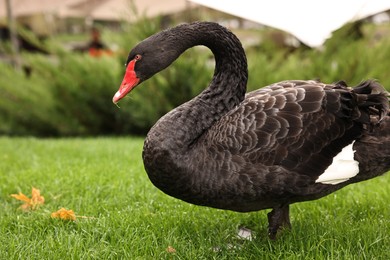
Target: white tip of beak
{"type": "Point", "coordinates": [116, 97]}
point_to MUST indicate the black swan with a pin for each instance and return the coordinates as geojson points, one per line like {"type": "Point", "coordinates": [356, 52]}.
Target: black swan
{"type": "Point", "coordinates": [288, 142]}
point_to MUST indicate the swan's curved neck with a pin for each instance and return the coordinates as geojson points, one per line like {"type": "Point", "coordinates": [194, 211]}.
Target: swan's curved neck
{"type": "Point", "coordinates": [185, 124]}
{"type": "Point", "coordinates": [171, 141]}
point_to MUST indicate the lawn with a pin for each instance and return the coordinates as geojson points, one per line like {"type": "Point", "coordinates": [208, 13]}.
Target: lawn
{"type": "Point", "coordinates": [103, 180]}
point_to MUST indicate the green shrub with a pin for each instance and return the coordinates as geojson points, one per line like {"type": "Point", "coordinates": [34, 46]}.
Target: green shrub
{"type": "Point", "coordinates": [65, 96]}
{"type": "Point", "coordinates": [82, 87]}
{"type": "Point", "coordinates": [26, 104]}
{"type": "Point", "coordinates": [351, 62]}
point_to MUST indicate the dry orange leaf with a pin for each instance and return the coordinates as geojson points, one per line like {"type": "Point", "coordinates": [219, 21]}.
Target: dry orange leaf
{"type": "Point", "coordinates": [30, 204]}
{"type": "Point", "coordinates": [171, 249]}
{"type": "Point", "coordinates": [64, 214]}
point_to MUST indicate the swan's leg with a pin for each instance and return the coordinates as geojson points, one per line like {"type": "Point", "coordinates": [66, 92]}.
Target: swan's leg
{"type": "Point", "coordinates": [278, 218]}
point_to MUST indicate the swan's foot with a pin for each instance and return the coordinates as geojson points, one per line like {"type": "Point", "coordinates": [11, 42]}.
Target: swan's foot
{"type": "Point", "coordinates": [278, 218]}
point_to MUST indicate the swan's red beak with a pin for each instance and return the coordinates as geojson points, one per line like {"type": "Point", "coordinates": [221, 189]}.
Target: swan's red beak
{"type": "Point", "coordinates": [129, 82]}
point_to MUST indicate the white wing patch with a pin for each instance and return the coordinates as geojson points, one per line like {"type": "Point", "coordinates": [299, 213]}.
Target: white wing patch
{"type": "Point", "coordinates": [343, 167]}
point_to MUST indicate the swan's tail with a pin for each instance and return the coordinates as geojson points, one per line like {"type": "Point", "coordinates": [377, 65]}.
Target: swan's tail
{"type": "Point", "coordinates": [373, 148]}
{"type": "Point", "coordinates": [372, 102]}
{"type": "Point", "coordinates": [373, 151]}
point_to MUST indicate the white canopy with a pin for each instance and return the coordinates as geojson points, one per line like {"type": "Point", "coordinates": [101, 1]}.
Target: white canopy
{"type": "Point", "coordinates": [311, 21]}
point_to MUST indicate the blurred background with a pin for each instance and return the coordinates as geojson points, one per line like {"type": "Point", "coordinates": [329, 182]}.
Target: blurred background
{"type": "Point", "coordinates": [61, 61]}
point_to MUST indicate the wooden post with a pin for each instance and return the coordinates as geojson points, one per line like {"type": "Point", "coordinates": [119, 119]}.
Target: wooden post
{"type": "Point", "coordinates": [13, 35]}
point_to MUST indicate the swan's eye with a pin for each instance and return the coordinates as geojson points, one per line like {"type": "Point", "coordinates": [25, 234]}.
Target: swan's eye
{"type": "Point", "coordinates": [138, 57]}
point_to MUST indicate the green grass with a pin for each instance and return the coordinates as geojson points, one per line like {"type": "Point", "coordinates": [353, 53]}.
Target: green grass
{"type": "Point", "coordinates": [103, 178]}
